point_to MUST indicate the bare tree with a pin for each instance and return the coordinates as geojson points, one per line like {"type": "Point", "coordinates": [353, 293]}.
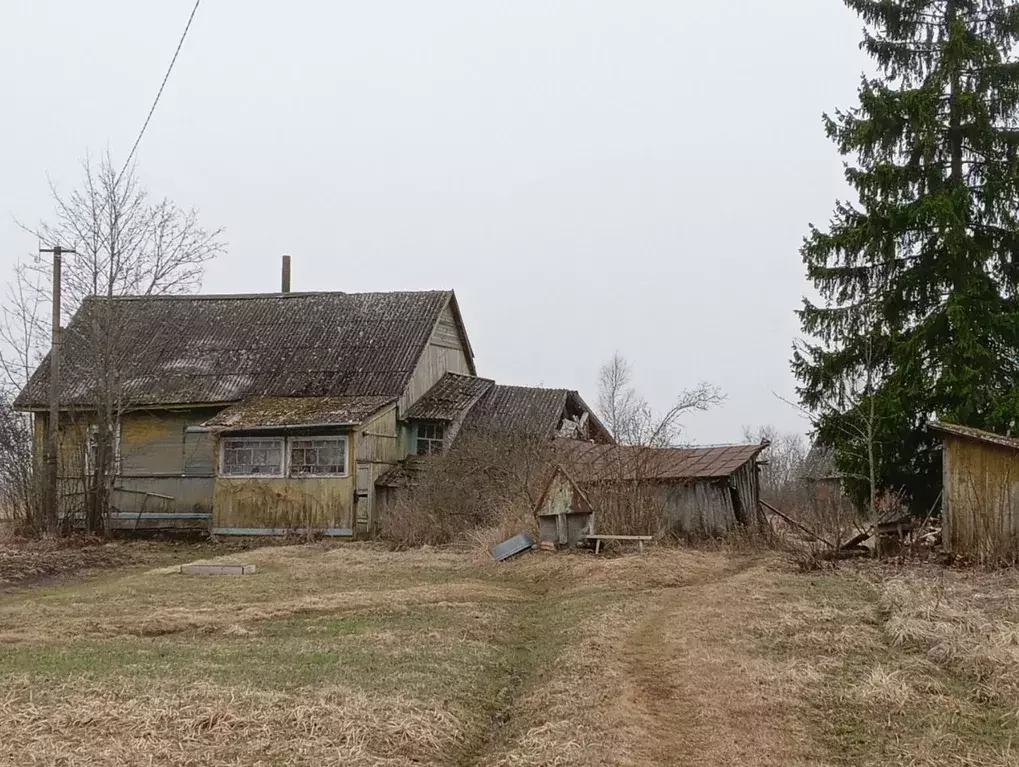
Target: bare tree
{"type": "Point", "coordinates": [617, 399]}
{"type": "Point", "coordinates": [125, 244]}
{"type": "Point", "coordinates": [630, 417]}
{"type": "Point", "coordinates": [782, 472]}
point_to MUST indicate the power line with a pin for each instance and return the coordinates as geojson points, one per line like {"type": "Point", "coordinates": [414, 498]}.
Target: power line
{"type": "Point", "coordinates": [166, 77]}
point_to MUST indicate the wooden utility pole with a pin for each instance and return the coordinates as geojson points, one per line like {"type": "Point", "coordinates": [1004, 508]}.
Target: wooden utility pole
{"type": "Point", "coordinates": [51, 491]}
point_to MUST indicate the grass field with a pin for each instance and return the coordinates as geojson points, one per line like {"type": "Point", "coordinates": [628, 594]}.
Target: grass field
{"type": "Point", "coordinates": [356, 655]}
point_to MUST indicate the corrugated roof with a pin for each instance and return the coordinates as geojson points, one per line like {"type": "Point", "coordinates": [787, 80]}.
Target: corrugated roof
{"type": "Point", "coordinates": [517, 411]}
{"type": "Point", "coordinates": [968, 432]}
{"type": "Point", "coordinates": [588, 462]}
{"type": "Point", "coordinates": [451, 396]}
{"type": "Point", "coordinates": [262, 412]}
{"type": "Point", "coordinates": [210, 349]}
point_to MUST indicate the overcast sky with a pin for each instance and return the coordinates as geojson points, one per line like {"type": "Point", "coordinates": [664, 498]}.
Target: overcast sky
{"type": "Point", "coordinates": [588, 175]}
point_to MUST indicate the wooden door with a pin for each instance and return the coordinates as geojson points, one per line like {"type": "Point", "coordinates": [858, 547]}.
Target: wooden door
{"type": "Point", "coordinates": [364, 493]}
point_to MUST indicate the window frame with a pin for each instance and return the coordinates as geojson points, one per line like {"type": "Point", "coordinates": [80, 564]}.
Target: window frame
{"type": "Point", "coordinates": [338, 438]}
{"type": "Point", "coordinates": [248, 438]}
{"type": "Point", "coordinates": [286, 443]}
{"type": "Point", "coordinates": [440, 441]}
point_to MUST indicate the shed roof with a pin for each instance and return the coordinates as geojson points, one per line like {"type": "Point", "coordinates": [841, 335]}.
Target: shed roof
{"type": "Point", "coordinates": [209, 349]}
{"type": "Point", "coordinates": [451, 396]}
{"type": "Point", "coordinates": [588, 462]}
{"type": "Point", "coordinates": [269, 412]}
{"type": "Point", "coordinates": [978, 435]}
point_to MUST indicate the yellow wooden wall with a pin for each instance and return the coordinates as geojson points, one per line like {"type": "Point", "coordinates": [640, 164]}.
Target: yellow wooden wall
{"type": "Point", "coordinates": [284, 503]}
{"type": "Point", "coordinates": [287, 503]}
{"type": "Point", "coordinates": [158, 459]}
{"type": "Point", "coordinates": [981, 500]}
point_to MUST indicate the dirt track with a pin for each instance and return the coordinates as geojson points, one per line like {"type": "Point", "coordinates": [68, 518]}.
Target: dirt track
{"type": "Point", "coordinates": [360, 656]}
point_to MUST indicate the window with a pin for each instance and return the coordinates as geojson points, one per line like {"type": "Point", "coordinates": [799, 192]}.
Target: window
{"type": "Point", "coordinates": [429, 438]}
{"type": "Point", "coordinates": [249, 456]}
{"type": "Point", "coordinates": [311, 456]}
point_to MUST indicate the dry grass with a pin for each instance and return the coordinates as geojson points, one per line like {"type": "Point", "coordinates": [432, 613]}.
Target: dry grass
{"type": "Point", "coordinates": [358, 655]}
{"type": "Point", "coordinates": [25, 561]}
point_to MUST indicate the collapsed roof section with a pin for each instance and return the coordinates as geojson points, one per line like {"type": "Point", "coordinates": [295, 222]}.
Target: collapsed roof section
{"type": "Point", "coordinates": [486, 409]}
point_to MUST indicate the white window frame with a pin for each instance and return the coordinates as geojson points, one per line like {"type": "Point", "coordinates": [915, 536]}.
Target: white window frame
{"type": "Point", "coordinates": [283, 457]}
{"type": "Point", "coordinates": [441, 441]}
{"type": "Point", "coordinates": [338, 438]}
{"type": "Point", "coordinates": [286, 445]}
{"type": "Point", "coordinates": [90, 444]}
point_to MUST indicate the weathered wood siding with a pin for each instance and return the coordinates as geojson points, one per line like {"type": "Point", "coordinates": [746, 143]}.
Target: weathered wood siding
{"type": "Point", "coordinates": [714, 507]}
{"type": "Point", "coordinates": [378, 441]}
{"type": "Point", "coordinates": [286, 503]}
{"type": "Point", "coordinates": [445, 353]}
{"type": "Point", "coordinates": [378, 444]}
{"type": "Point", "coordinates": [981, 500]}
{"type": "Point", "coordinates": [564, 514]}
{"type": "Point", "coordinates": [157, 458]}
{"type": "Point", "coordinates": [698, 508]}
{"type": "Point", "coordinates": [318, 503]}
{"type": "Point", "coordinates": [747, 484]}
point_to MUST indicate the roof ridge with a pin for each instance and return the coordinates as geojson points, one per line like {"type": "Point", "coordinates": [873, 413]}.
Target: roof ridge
{"type": "Point", "coordinates": [559, 389]}
{"type": "Point", "coordinates": [243, 296]}
{"type": "Point", "coordinates": [468, 375]}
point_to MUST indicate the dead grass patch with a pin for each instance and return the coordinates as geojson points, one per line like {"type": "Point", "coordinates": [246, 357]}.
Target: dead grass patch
{"type": "Point", "coordinates": [359, 655]}
{"type": "Point", "coordinates": [83, 724]}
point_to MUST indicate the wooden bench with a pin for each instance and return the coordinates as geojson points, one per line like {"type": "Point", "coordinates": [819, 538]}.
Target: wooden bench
{"type": "Point", "coordinates": [641, 540]}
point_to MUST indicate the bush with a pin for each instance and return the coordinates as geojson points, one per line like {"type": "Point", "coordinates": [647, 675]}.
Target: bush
{"type": "Point", "coordinates": [479, 490]}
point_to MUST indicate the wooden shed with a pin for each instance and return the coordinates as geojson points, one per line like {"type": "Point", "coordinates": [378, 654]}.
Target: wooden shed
{"type": "Point", "coordinates": [698, 491]}
{"type": "Point", "coordinates": [980, 496]}
{"type": "Point", "coordinates": [565, 515]}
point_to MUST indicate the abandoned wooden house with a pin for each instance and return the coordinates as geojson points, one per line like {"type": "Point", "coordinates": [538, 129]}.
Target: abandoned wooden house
{"type": "Point", "coordinates": [253, 414]}
{"type": "Point", "coordinates": [275, 413]}
{"type": "Point", "coordinates": [706, 491]}
{"type": "Point", "coordinates": [980, 494]}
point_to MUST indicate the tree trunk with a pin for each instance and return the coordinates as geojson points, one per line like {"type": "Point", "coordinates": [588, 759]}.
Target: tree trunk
{"type": "Point", "coordinates": [954, 116]}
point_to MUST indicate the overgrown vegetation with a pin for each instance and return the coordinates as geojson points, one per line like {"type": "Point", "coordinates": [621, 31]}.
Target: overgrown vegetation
{"type": "Point", "coordinates": [123, 243]}
{"type": "Point", "coordinates": [485, 487]}
{"type": "Point", "coordinates": [918, 274]}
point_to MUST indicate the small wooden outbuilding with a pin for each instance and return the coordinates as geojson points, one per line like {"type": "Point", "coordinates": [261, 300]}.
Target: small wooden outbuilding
{"type": "Point", "coordinates": [980, 497]}
{"type": "Point", "coordinates": [565, 515]}
{"type": "Point", "coordinates": [706, 491]}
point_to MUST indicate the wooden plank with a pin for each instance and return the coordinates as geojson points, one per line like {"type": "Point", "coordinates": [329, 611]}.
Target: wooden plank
{"type": "Point", "coordinates": [620, 537]}
{"type": "Point", "coordinates": [797, 525]}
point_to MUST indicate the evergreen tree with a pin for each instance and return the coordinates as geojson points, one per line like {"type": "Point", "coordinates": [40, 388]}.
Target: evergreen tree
{"type": "Point", "coordinates": [918, 277]}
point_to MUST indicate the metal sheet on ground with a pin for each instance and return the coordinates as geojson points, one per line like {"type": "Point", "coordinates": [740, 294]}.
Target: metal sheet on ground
{"type": "Point", "coordinates": [515, 545]}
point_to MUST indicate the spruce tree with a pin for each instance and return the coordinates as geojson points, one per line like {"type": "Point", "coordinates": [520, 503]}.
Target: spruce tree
{"type": "Point", "coordinates": [918, 276]}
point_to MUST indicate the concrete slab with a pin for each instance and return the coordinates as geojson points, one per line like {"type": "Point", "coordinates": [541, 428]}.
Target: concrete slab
{"type": "Point", "coordinates": [217, 569]}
